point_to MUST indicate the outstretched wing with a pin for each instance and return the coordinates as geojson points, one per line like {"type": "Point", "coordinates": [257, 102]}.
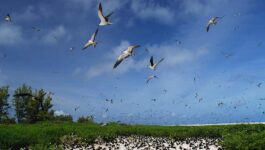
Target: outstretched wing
{"type": "Point", "coordinates": [148, 79]}
{"type": "Point", "coordinates": [109, 14]}
{"type": "Point", "coordinates": [94, 35]}
{"type": "Point", "coordinates": [208, 27]}
{"type": "Point", "coordinates": [151, 61]}
{"type": "Point", "coordinates": [160, 61]}
{"type": "Point", "coordinates": [119, 60]}
{"type": "Point", "coordinates": [100, 13]}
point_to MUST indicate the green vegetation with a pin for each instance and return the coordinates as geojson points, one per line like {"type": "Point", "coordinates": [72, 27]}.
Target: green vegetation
{"type": "Point", "coordinates": [4, 106]}
{"type": "Point", "coordinates": [39, 128]}
{"type": "Point", "coordinates": [47, 135]}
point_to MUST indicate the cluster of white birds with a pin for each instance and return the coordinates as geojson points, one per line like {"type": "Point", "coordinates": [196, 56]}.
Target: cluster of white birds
{"type": "Point", "coordinates": [154, 143]}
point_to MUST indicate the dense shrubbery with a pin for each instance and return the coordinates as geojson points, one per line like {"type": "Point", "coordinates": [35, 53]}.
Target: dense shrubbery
{"type": "Point", "coordinates": [51, 134]}
{"type": "Point", "coordinates": [89, 119]}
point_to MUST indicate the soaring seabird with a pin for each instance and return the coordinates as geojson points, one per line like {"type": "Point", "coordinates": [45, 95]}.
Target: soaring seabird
{"type": "Point", "coordinates": [227, 55]}
{"type": "Point", "coordinates": [154, 65]}
{"type": "Point", "coordinates": [259, 85]}
{"type": "Point", "coordinates": [150, 78]}
{"type": "Point", "coordinates": [91, 41]}
{"type": "Point", "coordinates": [212, 21]}
{"type": "Point", "coordinates": [8, 18]}
{"type": "Point", "coordinates": [104, 20]}
{"type": "Point", "coordinates": [77, 108]}
{"type": "Point", "coordinates": [36, 29]}
{"type": "Point", "coordinates": [125, 54]}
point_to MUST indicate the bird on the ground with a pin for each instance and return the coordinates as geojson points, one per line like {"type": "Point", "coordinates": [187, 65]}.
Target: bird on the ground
{"type": "Point", "coordinates": [125, 54]}
{"type": "Point", "coordinates": [150, 78]}
{"type": "Point", "coordinates": [104, 20]}
{"type": "Point", "coordinates": [211, 22]}
{"type": "Point", "coordinates": [153, 65]}
{"type": "Point", "coordinates": [91, 41]}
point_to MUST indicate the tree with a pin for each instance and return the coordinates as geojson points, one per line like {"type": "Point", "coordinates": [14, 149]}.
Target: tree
{"type": "Point", "coordinates": [32, 106]}
{"type": "Point", "coordinates": [4, 106]}
{"type": "Point", "coordinates": [21, 102]}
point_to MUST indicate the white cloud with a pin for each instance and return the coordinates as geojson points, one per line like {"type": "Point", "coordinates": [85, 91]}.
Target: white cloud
{"type": "Point", "coordinates": [28, 15]}
{"type": "Point", "coordinates": [98, 70]}
{"type": "Point", "coordinates": [55, 34]}
{"type": "Point", "coordinates": [32, 13]}
{"type": "Point", "coordinates": [174, 55]}
{"type": "Point", "coordinates": [108, 6]}
{"type": "Point", "coordinates": [193, 7]}
{"type": "Point", "coordinates": [60, 113]}
{"type": "Point", "coordinates": [10, 34]}
{"type": "Point", "coordinates": [152, 10]}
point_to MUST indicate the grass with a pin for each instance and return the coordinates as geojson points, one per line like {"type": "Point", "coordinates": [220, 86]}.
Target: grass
{"type": "Point", "coordinates": [46, 135]}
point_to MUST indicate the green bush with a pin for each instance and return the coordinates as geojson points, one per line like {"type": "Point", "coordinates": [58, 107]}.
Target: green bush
{"type": "Point", "coordinates": [47, 135]}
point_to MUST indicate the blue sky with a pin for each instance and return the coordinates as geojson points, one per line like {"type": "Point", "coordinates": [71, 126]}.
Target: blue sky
{"type": "Point", "coordinates": [86, 78]}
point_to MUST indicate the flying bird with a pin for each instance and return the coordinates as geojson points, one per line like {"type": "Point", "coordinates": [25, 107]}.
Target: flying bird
{"type": "Point", "coordinates": [154, 65]}
{"type": "Point", "coordinates": [150, 78]}
{"type": "Point", "coordinates": [227, 55]}
{"type": "Point", "coordinates": [237, 14]}
{"type": "Point", "coordinates": [153, 99]}
{"type": "Point", "coordinates": [178, 42]}
{"type": "Point", "coordinates": [211, 22]}
{"type": "Point", "coordinates": [71, 48]}
{"type": "Point", "coordinates": [35, 29]}
{"type": "Point", "coordinates": [196, 95]}
{"type": "Point", "coordinates": [8, 18]}
{"type": "Point", "coordinates": [77, 108]}
{"type": "Point", "coordinates": [259, 85]}
{"type": "Point", "coordinates": [104, 20]}
{"type": "Point", "coordinates": [125, 54]}
{"type": "Point", "coordinates": [91, 41]}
